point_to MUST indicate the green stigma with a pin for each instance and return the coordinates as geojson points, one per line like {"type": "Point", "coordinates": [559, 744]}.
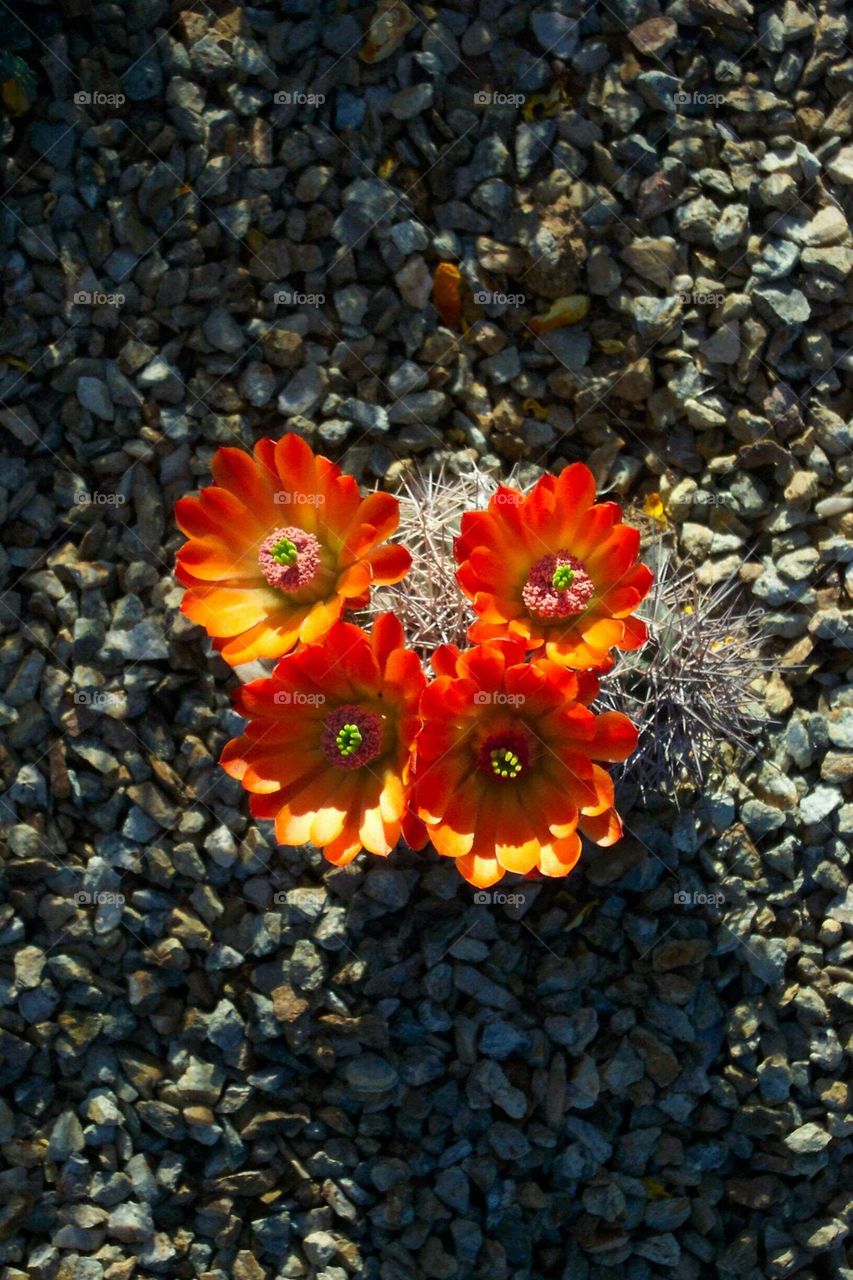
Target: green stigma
{"type": "Point", "coordinates": [563, 577]}
{"type": "Point", "coordinates": [505, 763]}
{"type": "Point", "coordinates": [284, 552]}
{"type": "Point", "coordinates": [348, 740]}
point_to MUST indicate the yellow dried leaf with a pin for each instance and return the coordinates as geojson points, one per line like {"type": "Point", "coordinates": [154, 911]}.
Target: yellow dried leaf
{"type": "Point", "coordinates": [568, 310]}
{"type": "Point", "coordinates": [544, 106]}
{"type": "Point", "coordinates": [15, 99]}
{"type": "Point", "coordinates": [653, 507]}
{"type": "Point", "coordinates": [535, 408]}
{"type": "Point", "coordinates": [255, 239]}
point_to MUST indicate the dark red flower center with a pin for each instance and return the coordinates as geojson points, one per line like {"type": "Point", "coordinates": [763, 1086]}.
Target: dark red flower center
{"type": "Point", "coordinates": [289, 558]}
{"type": "Point", "coordinates": [505, 755]}
{"type": "Point", "coordinates": [351, 737]}
{"type": "Point", "coordinates": [557, 586]}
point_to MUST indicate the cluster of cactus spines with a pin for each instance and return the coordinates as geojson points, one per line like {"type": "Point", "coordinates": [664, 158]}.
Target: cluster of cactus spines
{"type": "Point", "coordinates": [429, 602]}
{"type": "Point", "coordinates": [691, 689]}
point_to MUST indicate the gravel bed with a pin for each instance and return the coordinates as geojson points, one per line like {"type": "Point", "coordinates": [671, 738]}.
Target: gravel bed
{"type": "Point", "coordinates": [219, 1059]}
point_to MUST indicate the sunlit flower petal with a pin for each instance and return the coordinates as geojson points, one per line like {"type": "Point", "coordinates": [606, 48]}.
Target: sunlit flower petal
{"type": "Point", "coordinates": [278, 546]}
{"type": "Point", "coordinates": [506, 763]}
{"type": "Point", "coordinates": [555, 570]}
{"type": "Point", "coordinates": [326, 751]}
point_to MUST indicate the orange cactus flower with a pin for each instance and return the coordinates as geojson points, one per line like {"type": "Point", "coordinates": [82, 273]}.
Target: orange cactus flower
{"type": "Point", "coordinates": [279, 546]}
{"type": "Point", "coordinates": [506, 764]}
{"type": "Point", "coordinates": [326, 751]}
{"type": "Point", "coordinates": [447, 293]}
{"type": "Point", "coordinates": [554, 570]}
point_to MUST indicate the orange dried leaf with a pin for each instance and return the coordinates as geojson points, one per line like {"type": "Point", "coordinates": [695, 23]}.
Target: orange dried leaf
{"type": "Point", "coordinates": [447, 293]}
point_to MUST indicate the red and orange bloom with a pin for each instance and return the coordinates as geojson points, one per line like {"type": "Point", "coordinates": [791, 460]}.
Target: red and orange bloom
{"type": "Point", "coordinates": [279, 546]}
{"type": "Point", "coordinates": [555, 570]}
{"type": "Point", "coordinates": [327, 748]}
{"type": "Point", "coordinates": [507, 774]}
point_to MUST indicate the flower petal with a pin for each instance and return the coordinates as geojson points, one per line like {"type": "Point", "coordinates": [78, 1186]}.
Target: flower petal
{"type": "Point", "coordinates": [240, 473]}
{"type": "Point", "coordinates": [228, 611]}
{"type": "Point", "coordinates": [615, 737]}
{"type": "Point", "coordinates": [389, 563]}
{"type": "Point", "coordinates": [480, 871]}
{"type": "Point", "coordinates": [602, 828]}
{"type": "Point", "coordinates": [560, 856]}
{"type": "Point", "coordinates": [611, 560]}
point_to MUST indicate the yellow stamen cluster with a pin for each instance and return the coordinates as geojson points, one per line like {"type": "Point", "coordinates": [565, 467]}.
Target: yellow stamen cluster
{"type": "Point", "coordinates": [505, 763]}
{"type": "Point", "coordinates": [349, 739]}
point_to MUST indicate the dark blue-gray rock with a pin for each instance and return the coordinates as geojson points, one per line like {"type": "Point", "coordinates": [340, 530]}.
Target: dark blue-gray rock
{"type": "Point", "coordinates": [556, 33]}
{"type": "Point", "coordinates": [130, 1223]}
{"type": "Point", "coordinates": [809, 1139]}
{"type": "Point", "coordinates": [367, 1073]}
{"type": "Point", "coordinates": [223, 332]}
{"type": "Point", "coordinates": [657, 89]}
{"type": "Point", "coordinates": [766, 957]}
{"type": "Point", "coordinates": [144, 642]}
{"type": "Point", "coordinates": [775, 1079]}
{"type": "Point", "coordinates": [94, 395]}
{"type": "Point", "coordinates": [412, 101]}
{"type": "Point", "coordinates": [483, 989]}
{"type": "Point", "coordinates": [24, 684]}
{"type": "Point", "coordinates": [53, 142]}
{"type": "Point", "coordinates": [306, 966]}
{"type": "Point", "coordinates": [342, 34]}
{"type": "Point", "coordinates": [225, 1026]}
{"type": "Point", "coordinates": [143, 80]}
{"type": "Point", "coordinates": [66, 1137]}
{"type": "Point", "coordinates": [782, 306]}
{"type": "Point", "coordinates": [304, 393]}
{"type": "Point", "coordinates": [350, 110]}
{"type": "Point", "coordinates": [29, 788]}
{"type": "Point", "coordinates": [410, 236]}
{"type": "Point", "coordinates": [532, 141]}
